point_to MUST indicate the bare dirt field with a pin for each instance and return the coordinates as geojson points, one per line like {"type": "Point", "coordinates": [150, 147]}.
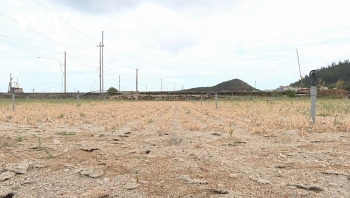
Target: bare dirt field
{"type": "Point", "coordinates": [262, 148]}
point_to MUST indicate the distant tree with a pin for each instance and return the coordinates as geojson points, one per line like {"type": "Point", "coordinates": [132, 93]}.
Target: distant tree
{"type": "Point", "coordinates": [290, 93]}
{"type": "Point", "coordinates": [339, 84]}
{"type": "Point", "coordinates": [112, 91]}
{"type": "Point", "coordinates": [320, 83]}
{"type": "Point", "coordinates": [330, 75]}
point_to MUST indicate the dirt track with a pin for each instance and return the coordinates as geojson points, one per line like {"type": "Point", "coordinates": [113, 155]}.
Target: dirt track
{"type": "Point", "coordinates": [88, 161]}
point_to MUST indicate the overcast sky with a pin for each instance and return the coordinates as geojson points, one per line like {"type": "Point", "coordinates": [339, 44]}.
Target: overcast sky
{"type": "Point", "coordinates": [190, 43]}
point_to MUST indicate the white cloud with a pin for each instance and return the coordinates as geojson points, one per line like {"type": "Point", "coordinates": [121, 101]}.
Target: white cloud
{"type": "Point", "coordinates": [192, 43]}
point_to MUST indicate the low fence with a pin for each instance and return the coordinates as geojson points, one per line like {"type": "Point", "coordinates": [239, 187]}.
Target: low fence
{"type": "Point", "coordinates": [177, 95]}
{"type": "Point", "coordinates": [88, 95]}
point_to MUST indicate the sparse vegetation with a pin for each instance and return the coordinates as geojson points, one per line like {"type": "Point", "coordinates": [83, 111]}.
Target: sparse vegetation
{"type": "Point", "coordinates": [258, 115]}
{"type": "Point", "coordinates": [155, 142]}
{"type": "Point", "coordinates": [231, 130]}
{"type": "Point", "coordinates": [65, 133]}
{"type": "Point", "coordinates": [40, 147]}
{"type": "Point", "coordinates": [20, 138]}
{"type": "Point", "coordinates": [39, 140]}
{"type": "Point", "coordinates": [290, 93]}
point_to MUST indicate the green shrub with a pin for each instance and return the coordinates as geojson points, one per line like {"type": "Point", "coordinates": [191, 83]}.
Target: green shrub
{"type": "Point", "coordinates": [290, 93]}
{"type": "Point", "coordinates": [112, 91]}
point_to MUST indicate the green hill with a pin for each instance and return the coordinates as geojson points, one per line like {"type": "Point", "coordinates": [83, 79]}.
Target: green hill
{"type": "Point", "coordinates": [228, 86]}
{"type": "Point", "coordinates": [332, 76]}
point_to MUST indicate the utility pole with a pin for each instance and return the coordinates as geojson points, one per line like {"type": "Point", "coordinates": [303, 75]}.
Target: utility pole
{"type": "Point", "coordinates": [119, 83]}
{"type": "Point", "coordinates": [301, 78]}
{"type": "Point", "coordinates": [12, 91]}
{"type": "Point", "coordinates": [65, 72]}
{"type": "Point", "coordinates": [254, 85]}
{"type": "Point", "coordinates": [161, 85]}
{"type": "Point", "coordinates": [100, 69]}
{"type": "Point", "coordinates": [10, 84]}
{"type": "Point", "coordinates": [137, 80]}
{"type": "Point", "coordinates": [101, 64]}
{"type": "Point", "coordinates": [102, 61]}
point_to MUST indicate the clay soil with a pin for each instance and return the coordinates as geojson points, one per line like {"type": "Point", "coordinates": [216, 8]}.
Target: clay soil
{"type": "Point", "coordinates": [165, 157]}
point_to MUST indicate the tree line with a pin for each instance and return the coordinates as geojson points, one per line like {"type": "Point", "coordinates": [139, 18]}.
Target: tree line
{"type": "Point", "coordinates": [332, 76]}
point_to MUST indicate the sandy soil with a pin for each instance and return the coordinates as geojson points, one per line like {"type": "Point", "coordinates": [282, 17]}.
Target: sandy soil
{"type": "Point", "coordinates": [88, 161]}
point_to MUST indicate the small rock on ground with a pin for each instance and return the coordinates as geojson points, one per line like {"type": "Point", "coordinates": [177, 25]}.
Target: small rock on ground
{"type": "Point", "coordinates": [263, 181]}
{"type": "Point", "coordinates": [6, 175]}
{"type": "Point", "coordinates": [19, 168]}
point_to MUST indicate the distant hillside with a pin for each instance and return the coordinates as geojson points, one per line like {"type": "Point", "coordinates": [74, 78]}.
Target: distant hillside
{"type": "Point", "coordinates": [229, 86]}
{"type": "Point", "coordinates": [332, 76]}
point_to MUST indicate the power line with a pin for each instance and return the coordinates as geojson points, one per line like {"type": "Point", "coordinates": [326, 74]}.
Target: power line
{"type": "Point", "coordinates": [125, 65]}
{"type": "Point", "coordinates": [38, 48]}
{"type": "Point", "coordinates": [116, 59]}
{"type": "Point", "coordinates": [149, 62]}
{"type": "Point", "coordinates": [144, 74]}
{"type": "Point", "coordinates": [59, 44]}
{"type": "Point", "coordinates": [42, 5]}
{"type": "Point", "coordinates": [112, 56]}
{"type": "Point", "coordinates": [30, 5]}
{"type": "Point", "coordinates": [48, 10]}
{"type": "Point", "coordinates": [81, 32]}
{"type": "Point", "coordinates": [27, 44]}
{"type": "Point", "coordinates": [45, 37]}
{"type": "Point", "coordinates": [65, 23]}
{"type": "Point", "coordinates": [4, 15]}
{"type": "Point", "coordinates": [20, 48]}
{"type": "Point", "coordinates": [37, 85]}
{"type": "Point", "coordinates": [167, 68]}
{"type": "Point", "coordinates": [37, 41]}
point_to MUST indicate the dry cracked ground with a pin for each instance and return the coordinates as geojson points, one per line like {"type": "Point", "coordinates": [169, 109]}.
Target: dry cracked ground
{"type": "Point", "coordinates": [88, 161]}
